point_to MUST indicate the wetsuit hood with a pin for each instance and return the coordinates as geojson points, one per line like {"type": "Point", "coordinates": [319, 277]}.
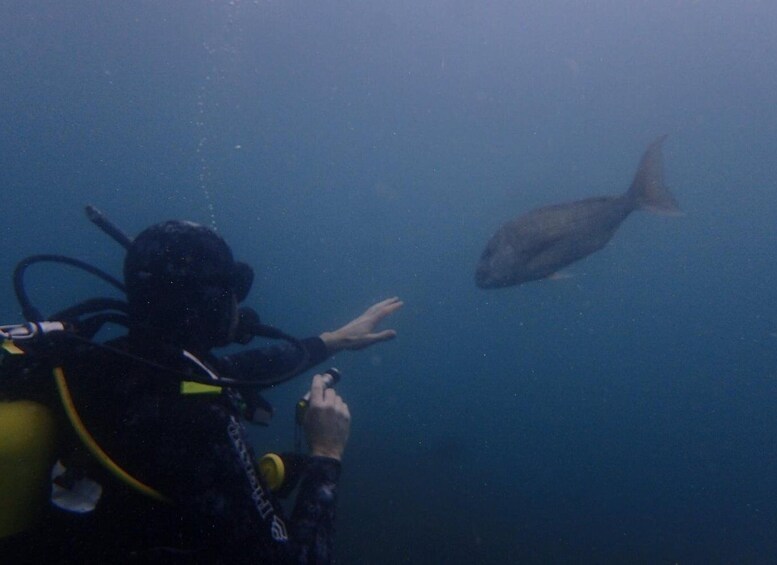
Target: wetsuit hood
{"type": "Point", "coordinates": [183, 284]}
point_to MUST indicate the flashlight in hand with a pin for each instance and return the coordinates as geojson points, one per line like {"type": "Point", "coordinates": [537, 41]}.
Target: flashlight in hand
{"type": "Point", "coordinates": [331, 378]}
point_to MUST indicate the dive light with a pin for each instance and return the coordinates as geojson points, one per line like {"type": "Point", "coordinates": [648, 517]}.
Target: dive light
{"type": "Point", "coordinates": [331, 378]}
{"type": "Point", "coordinates": [282, 471]}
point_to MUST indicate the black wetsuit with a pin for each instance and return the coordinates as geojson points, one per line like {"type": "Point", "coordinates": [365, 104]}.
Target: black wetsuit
{"type": "Point", "coordinates": [191, 448]}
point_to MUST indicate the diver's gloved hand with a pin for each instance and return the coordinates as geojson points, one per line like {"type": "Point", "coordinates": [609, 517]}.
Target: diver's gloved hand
{"type": "Point", "coordinates": [327, 421]}
{"type": "Point", "coordinates": [359, 333]}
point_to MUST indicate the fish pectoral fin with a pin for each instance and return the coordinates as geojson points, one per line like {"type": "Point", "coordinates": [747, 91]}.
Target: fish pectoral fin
{"type": "Point", "coordinates": [559, 276]}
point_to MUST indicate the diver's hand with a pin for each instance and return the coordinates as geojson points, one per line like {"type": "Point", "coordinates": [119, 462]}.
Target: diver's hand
{"type": "Point", "coordinates": [327, 421]}
{"type": "Point", "coordinates": [358, 333]}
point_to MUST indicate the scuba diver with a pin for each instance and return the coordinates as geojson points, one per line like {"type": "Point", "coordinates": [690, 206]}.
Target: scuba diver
{"type": "Point", "coordinates": [134, 450]}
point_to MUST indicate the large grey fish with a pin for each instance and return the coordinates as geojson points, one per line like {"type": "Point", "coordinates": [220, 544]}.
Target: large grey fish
{"type": "Point", "coordinates": [538, 244]}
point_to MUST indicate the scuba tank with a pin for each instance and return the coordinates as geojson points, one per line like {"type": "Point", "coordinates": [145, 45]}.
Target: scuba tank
{"type": "Point", "coordinates": [27, 439]}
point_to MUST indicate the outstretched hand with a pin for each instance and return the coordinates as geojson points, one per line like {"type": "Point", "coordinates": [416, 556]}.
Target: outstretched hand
{"type": "Point", "coordinates": [359, 333]}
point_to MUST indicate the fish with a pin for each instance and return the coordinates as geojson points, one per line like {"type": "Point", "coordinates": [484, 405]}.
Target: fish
{"type": "Point", "coordinates": [538, 244]}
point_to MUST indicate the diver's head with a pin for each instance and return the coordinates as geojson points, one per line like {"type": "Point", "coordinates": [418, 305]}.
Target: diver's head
{"type": "Point", "coordinates": [183, 285]}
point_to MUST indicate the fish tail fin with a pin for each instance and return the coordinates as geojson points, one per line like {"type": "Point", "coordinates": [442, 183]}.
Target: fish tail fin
{"type": "Point", "coordinates": [648, 191]}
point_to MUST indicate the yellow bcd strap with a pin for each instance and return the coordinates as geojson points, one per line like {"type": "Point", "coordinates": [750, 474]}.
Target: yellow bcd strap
{"type": "Point", "coordinates": [188, 387]}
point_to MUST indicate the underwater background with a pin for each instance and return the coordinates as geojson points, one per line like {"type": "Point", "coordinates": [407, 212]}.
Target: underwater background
{"type": "Point", "coordinates": [353, 150]}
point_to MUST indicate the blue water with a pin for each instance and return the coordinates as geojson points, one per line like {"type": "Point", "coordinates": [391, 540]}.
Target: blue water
{"type": "Point", "coordinates": [354, 150]}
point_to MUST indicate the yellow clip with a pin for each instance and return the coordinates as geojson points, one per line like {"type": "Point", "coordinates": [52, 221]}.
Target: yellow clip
{"type": "Point", "coordinates": [188, 387]}
{"type": "Point", "coordinates": [11, 348]}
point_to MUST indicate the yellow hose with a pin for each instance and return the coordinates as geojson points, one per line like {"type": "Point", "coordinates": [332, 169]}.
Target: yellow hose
{"type": "Point", "coordinates": [93, 447]}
